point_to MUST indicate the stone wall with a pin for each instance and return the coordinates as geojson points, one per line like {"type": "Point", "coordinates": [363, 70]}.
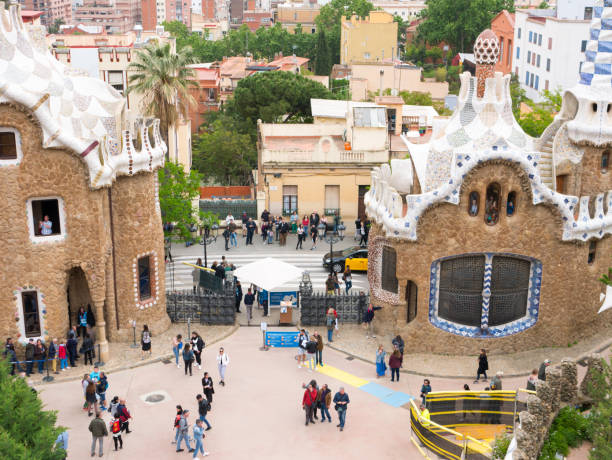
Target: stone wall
{"type": "Point", "coordinates": [569, 298]}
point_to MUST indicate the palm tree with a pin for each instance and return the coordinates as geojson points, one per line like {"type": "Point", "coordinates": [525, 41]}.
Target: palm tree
{"type": "Point", "coordinates": [163, 78]}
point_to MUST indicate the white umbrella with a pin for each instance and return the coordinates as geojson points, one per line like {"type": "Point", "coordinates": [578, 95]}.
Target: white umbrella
{"type": "Point", "coordinates": [268, 273]}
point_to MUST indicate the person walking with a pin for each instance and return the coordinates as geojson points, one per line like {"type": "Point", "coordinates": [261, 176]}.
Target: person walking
{"type": "Point", "coordinates": [184, 432]}
{"type": "Point", "coordinates": [425, 389]}
{"type": "Point", "coordinates": [368, 319]}
{"type": "Point", "coordinates": [233, 237]}
{"type": "Point", "coordinates": [341, 401]}
{"type": "Point", "coordinates": [238, 296]}
{"type": "Point", "coordinates": [226, 237]}
{"type": "Point", "coordinates": [381, 366]}
{"type": "Point", "coordinates": [347, 277]}
{"type": "Point", "coordinates": [62, 354]}
{"type": "Point", "coordinates": [177, 346]}
{"type": "Point", "coordinates": [30, 350]}
{"type": "Point", "coordinates": [87, 349]}
{"type": "Point", "coordinates": [313, 235]}
{"type": "Point", "coordinates": [198, 438]}
{"type": "Point", "coordinates": [124, 416]}
{"type": "Point", "coordinates": [222, 363]}
{"type": "Point", "coordinates": [203, 408]}
{"type": "Point", "coordinates": [319, 353]}
{"type": "Point", "coordinates": [249, 300]}
{"type": "Point", "coordinates": [197, 346]}
{"type": "Point", "coordinates": [177, 421]}
{"type": "Point", "coordinates": [300, 237]}
{"type": "Point", "coordinates": [308, 401]}
{"type": "Point", "coordinates": [40, 355]}
{"type": "Point", "coordinates": [324, 398]}
{"type": "Point", "coordinates": [145, 340]}
{"type": "Point", "coordinates": [395, 362]}
{"type": "Point", "coordinates": [483, 366]}
{"type": "Point", "coordinates": [542, 371]}
{"type": "Point", "coordinates": [207, 387]}
{"type": "Point", "coordinates": [101, 388]}
{"type": "Point", "coordinates": [98, 430]}
{"type": "Point", "coordinates": [195, 275]}
{"type": "Point", "coordinates": [115, 429]}
{"type": "Point", "coordinates": [311, 352]}
{"type": "Point", "coordinates": [188, 357]}
{"type": "Point", "coordinates": [52, 355]}
{"type": "Point", "coordinates": [90, 398]}
{"type": "Point", "coordinates": [330, 322]}
{"type": "Point", "coordinates": [363, 231]}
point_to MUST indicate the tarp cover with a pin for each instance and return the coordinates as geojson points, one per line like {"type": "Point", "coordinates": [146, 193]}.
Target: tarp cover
{"type": "Point", "coordinates": [268, 273]}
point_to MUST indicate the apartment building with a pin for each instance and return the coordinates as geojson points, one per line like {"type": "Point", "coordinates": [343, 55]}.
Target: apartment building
{"type": "Point", "coordinates": [408, 10]}
{"type": "Point", "coordinates": [206, 93]}
{"type": "Point", "coordinates": [117, 16]}
{"type": "Point", "coordinates": [502, 26]}
{"type": "Point", "coordinates": [368, 40]}
{"type": "Point", "coordinates": [289, 15]}
{"type": "Point", "coordinates": [52, 10]}
{"type": "Point", "coordinates": [547, 56]}
{"type": "Point", "coordinates": [155, 12]}
{"type": "Point", "coordinates": [254, 19]}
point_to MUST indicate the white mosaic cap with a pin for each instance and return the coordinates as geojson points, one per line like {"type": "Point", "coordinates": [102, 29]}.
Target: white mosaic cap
{"type": "Point", "coordinates": [596, 70]}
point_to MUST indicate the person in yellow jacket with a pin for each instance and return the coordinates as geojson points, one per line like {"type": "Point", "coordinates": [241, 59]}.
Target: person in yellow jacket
{"type": "Point", "coordinates": [425, 417]}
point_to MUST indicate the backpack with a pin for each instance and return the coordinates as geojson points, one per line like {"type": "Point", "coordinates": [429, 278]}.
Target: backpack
{"type": "Point", "coordinates": [116, 427]}
{"type": "Point", "coordinates": [177, 421]}
{"type": "Point", "coordinates": [311, 347]}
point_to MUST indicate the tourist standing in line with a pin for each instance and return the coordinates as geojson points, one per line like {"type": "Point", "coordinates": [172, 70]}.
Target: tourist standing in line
{"type": "Point", "coordinates": [30, 350]}
{"type": "Point", "coordinates": [319, 354]}
{"type": "Point", "coordinates": [381, 366]}
{"type": "Point", "coordinates": [184, 432]}
{"type": "Point", "coordinates": [115, 429]}
{"type": "Point", "coordinates": [222, 363]}
{"type": "Point", "coordinates": [249, 300]}
{"type": "Point", "coordinates": [197, 346]}
{"type": "Point", "coordinates": [203, 408]}
{"type": "Point", "coordinates": [52, 355]}
{"type": "Point", "coordinates": [11, 355]}
{"type": "Point", "coordinates": [330, 321]}
{"type": "Point", "coordinates": [308, 401]}
{"type": "Point", "coordinates": [198, 438]}
{"type": "Point", "coordinates": [98, 430]}
{"type": "Point", "coordinates": [483, 366]}
{"type": "Point", "coordinates": [395, 362]}
{"type": "Point", "coordinates": [61, 354]}
{"type": "Point", "coordinates": [341, 400]}
{"type": "Point", "coordinates": [145, 340]}
{"type": "Point", "coordinates": [71, 348]}
{"type": "Point", "coordinates": [40, 355]}
{"type": "Point", "coordinates": [324, 402]}
{"type": "Point", "coordinates": [425, 389]}
{"type": "Point", "coordinates": [188, 358]}
{"type": "Point", "coordinates": [177, 346]}
{"type": "Point", "coordinates": [207, 387]}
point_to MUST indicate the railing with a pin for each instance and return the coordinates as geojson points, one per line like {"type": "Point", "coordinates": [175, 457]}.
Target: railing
{"type": "Point", "coordinates": [224, 207]}
{"type": "Point", "coordinates": [207, 308]}
{"type": "Point", "coordinates": [314, 306]}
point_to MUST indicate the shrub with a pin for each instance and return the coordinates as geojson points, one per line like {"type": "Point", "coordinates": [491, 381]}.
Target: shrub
{"type": "Point", "coordinates": [569, 429]}
{"type": "Point", "coordinates": [440, 74]}
{"type": "Point", "coordinates": [500, 446]}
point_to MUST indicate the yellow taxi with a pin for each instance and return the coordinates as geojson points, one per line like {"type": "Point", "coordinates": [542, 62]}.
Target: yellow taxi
{"type": "Point", "coordinates": [354, 257]}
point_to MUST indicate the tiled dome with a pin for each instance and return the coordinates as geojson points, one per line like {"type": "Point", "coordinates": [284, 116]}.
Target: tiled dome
{"type": "Point", "coordinates": [486, 48]}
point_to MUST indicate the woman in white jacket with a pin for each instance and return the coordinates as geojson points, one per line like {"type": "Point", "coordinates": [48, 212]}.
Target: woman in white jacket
{"type": "Point", "coordinates": [222, 362]}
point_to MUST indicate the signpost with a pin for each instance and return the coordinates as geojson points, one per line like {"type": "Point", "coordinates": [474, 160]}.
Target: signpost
{"type": "Point", "coordinates": [281, 339]}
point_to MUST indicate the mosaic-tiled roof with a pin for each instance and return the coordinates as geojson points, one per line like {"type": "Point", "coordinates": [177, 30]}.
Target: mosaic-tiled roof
{"type": "Point", "coordinates": [597, 69]}
{"type": "Point", "coordinates": [82, 114]}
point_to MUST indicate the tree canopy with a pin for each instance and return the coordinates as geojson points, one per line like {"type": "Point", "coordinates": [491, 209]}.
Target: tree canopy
{"type": "Point", "coordinates": [26, 432]}
{"type": "Point", "coordinates": [458, 22]}
{"type": "Point", "coordinates": [323, 57]}
{"type": "Point", "coordinates": [535, 122]}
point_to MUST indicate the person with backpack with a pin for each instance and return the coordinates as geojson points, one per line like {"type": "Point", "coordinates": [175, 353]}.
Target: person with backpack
{"type": "Point", "coordinates": [311, 351]}
{"type": "Point", "coordinates": [188, 358]}
{"type": "Point", "coordinates": [302, 341]}
{"type": "Point", "coordinates": [197, 347]}
{"type": "Point", "coordinates": [145, 341]}
{"type": "Point", "coordinates": [330, 322]}
{"type": "Point", "coordinates": [101, 388]}
{"type": "Point", "coordinates": [324, 398]}
{"type": "Point", "coordinates": [207, 387]}
{"type": "Point", "coordinates": [203, 408]}
{"type": "Point", "coordinates": [177, 421]}
{"type": "Point", "coordinates": [112, 408]}
{"type": "Point", "coordinates": [308, 402]}
{"type": "Point", "coordinates": [184, 432]}
{"type": "Point", "coordinates": [115, 429]}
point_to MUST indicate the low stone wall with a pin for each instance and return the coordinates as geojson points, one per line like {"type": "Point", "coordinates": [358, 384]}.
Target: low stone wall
{"type": "Point", "coordinates": [559, 390]}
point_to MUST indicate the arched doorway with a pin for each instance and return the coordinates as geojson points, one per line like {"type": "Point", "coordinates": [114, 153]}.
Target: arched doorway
{"type": "Point", "coordinates": [77, 293]}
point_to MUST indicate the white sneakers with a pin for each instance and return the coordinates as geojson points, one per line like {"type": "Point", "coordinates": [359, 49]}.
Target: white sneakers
{"type": "Point", "coordinates": [178, 365]}
{"type": "Point", "coordinates": [205, 454]}
{"type": "Point", "coordinates": [199, 367]}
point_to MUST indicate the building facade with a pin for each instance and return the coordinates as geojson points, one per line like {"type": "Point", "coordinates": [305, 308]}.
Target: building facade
{"type": "Point", "coordinates": [502, 26]}
{"type": "Point", "coordinates": [473, 245]}
{"type": "Point", "coordinates": [79, 190]}
{"type": "Point", "coordinates": [52, 10]}
{"type": "Point", "coordinates": [255, 19]}
{"type": "Point", "coordinates": [547, 54]}
{"type": "Point", "coordinates": [408, 10]}
{"type": "Point", "coordinates": [372, 39]}
{"type": "Point", "coordinates": [206, 94]}
{"type": "Point", "coordinates": [290, 15]}
{"type": "Point", "coordinates": [117, 16]}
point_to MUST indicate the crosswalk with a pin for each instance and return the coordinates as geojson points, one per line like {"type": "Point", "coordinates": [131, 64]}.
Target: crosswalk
{"type": "Point", "coordinates": [311, 262]}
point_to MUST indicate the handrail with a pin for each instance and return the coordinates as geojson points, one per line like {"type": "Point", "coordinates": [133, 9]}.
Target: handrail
{"type": "Point", "coordinates": [419, 448]}
{"type": "Point", "coordinates": [522, 390]}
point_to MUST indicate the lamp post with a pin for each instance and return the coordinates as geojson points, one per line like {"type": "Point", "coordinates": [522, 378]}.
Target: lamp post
{"type": "Point", "coordinates": [331, 238]}
{"type": "Point", "coordinates": [207, 239]}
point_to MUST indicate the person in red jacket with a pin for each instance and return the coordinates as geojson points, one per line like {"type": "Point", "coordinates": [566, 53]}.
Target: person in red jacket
{"type": "Point", "coordinates": [308, 402]}
{"type": "Point", "coordinates": [124, 416]}
{"type": "Point", "coordinates": [395, 362]}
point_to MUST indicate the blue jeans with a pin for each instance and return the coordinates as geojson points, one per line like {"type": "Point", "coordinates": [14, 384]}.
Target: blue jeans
{"type": "Point", "coordinates": [176, 435]}
{"type": "Point", "coordinates": [349, 285]}
{"type": "Point", "coordinates": [342, 417]}
{"type": "Point", "coordinates": [233, 240]}
{"type": "Point", "coordinates": [319, 357]}
{"type": "Point", "coordinates": [330, 333]}
{"type": "Point", "coordinates": [182, 436]}
{"type": "Point", "coordinates": [29, 366]}
{"type": "Point", "coordinates": [325, 410]}
{"type": "Point", "coordinates": [199, 447]}
{"type": "Point", "coordinates": [394, 372]}
{"type": "Point", "coordinates": [41, 365]}
{"type": "Point", "coordinates": [176, 354]}
{"type": "Point", "coordinates": [205, 421]}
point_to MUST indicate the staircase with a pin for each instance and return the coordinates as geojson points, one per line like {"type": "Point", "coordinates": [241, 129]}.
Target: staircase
{"type": "Point", "coordinates": [546, 166]}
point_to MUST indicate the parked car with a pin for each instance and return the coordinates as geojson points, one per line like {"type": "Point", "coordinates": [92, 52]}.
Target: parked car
{"type": "Point", "coordinates": [354, 257]}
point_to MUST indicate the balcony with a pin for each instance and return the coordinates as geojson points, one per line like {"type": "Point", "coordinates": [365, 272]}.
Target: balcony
{"type": "Point", "coordinates": [289, 157]}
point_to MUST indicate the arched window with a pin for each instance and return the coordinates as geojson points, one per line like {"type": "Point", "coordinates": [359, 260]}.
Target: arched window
{"type": "Point", "coordinates": [605, 161]}
{"type": "Point", "coordinates": [511, 204]}
{"type": "Point", "coordinates": [474, 204]}
{"type": "Point", "coordinates": [492, 204]}
{"type": "Point", "coordinates": [389, 266]}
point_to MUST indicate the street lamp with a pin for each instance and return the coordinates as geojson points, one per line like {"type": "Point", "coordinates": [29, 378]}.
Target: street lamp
{"type": "Point", "coordinates": [331, 238]}
{"type": "Point", "coordinates": [207, 239]}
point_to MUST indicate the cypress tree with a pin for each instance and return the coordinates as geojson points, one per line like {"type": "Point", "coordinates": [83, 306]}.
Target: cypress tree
{"type": "Point", "coordinates": [322, 64]}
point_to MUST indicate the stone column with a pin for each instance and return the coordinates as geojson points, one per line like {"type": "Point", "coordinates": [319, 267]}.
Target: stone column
{"type": "Point", "coordinates": [569, 376]}
{"type": "Point", "coordinates": [101, 329]}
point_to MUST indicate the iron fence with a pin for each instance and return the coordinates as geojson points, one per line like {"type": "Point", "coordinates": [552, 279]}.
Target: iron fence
{"type": "Point", "coordinates": [314, 306]}
{"type": "Point", "coordinates": [224, 207]}
{"type": "Point", "coordinates": [207, 308]}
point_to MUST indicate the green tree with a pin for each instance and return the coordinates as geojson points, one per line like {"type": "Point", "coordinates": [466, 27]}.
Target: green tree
{"type": "Point", "coordinates": [322, 63]}
{"type": "Point", "coordinates": [535, 122]}
{"type": "Point", "coordinates": [177, 192]}
{"type": "Point", "coordinates": [401, 33]}
{"type": "Point", "coordinates": [416, 98]}
{"type": "Point", "coordinates": [55, 27]}
{"type": "Point", "coordinates": [435, 54]}
{"type": "Point", "coordinates": [599, 429]}
{"type": "Point", "coordinates": [224, 155]}
{"type": "Point", "coordinates": [163, 79]}
{"type": "Point", "coordinates": [458, 22]}
{"type": "Point", "coordinates": [27, 432]}
{"type": "Point", "coordinates": [543, 5]}
{"type": "Point", "coordinates": [517, 94]}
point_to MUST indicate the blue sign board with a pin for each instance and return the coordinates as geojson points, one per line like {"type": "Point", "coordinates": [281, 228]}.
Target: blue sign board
{"type": "Point", "coordinates": [277, 297]}
{"type": "Point", "coordinates": [282, 339]}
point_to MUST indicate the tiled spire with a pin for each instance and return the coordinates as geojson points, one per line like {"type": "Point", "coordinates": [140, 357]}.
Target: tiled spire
{"type": "Point", "coordinates": [596, 70]}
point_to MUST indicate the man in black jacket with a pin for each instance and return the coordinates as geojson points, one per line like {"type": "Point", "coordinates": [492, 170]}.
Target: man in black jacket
{"type": "Point", "coordinates": [249, 300]}
{"type": "Point", "coordinates": [284, 230]}
{"type": "Point", "coordinates": [203, 408]}
{"type": "Point", "coordinates": [29, 356]}
{"type": "Point", "coordinates": [250, 226]}
{"type": "Point", "coordinates": [238, 296]}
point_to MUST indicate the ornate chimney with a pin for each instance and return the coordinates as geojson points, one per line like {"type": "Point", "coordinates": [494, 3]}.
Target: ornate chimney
{"type": "Point", "coordinates": [486, 54]}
